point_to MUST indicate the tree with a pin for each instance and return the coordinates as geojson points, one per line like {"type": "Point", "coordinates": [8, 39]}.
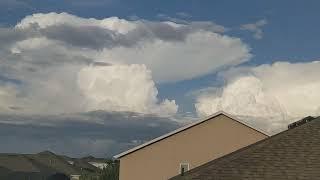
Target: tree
{"type": "Point", "coordinates": [111, 172]}
{"type": "Point", "coordinates": [58, 176]}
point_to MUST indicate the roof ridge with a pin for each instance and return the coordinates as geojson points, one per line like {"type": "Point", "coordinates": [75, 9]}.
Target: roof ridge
{"type": "Point", "coordinates": [183, 128]}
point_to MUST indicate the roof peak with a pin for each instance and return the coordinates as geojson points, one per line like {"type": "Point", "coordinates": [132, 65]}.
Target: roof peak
{"type": "Point", "coordinates": [47, 152]}
{"type": "Point", "coordinates": [263, 153]}
{"type": "Point", "coordinates": [185, 128]}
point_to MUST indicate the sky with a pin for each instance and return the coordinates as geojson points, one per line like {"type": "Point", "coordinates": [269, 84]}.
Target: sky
{"type": "Point", "coordinates": [156, 61]}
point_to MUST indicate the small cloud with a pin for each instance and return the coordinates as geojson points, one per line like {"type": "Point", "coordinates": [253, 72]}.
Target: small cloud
{"type": "Point", "coordinates": [100, 63]}
{"type": "Point", "coordinates": [255, 28]}
{"type": "Point", "coordinates": [134, 17]}
{"type": "Point", "coordinates": [172, 19]}
{"type": "Point", "coordinates": [162, 16]}
{"type": "Point", "coordinates": [15, 108]}
{"type": "Point", "coordinates": [183, 15]}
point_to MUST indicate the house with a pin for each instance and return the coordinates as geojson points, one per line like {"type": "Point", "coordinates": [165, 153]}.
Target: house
{"type": "Point", "coordinates": [75, 177]}
{"type": "Point", "coordinates": [187, 148]}
{"type": "Point", "coordinates": [17, 167]}
{"type": "Point", "coordinates": [100, 163]}
{"type": "Point", "coordinates": [292, 154]}
{"type": "Point", "coordinates": [44, 165]}
{"type": "Point", "coordinates": [89, 163]}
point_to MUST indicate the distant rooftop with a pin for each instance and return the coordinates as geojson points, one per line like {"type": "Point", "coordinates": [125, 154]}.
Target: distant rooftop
{"type": "Point", "coordinates": [301, 122]}
{"type": "Point", "coordinates": [42, 165]}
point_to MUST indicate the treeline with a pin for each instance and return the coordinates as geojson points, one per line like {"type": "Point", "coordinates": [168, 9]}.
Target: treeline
{"type": "Point", "coordinates": [111, 172]}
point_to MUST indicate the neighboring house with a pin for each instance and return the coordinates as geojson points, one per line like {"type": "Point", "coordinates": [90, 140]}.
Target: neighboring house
{"type": "Point", "coordinates": [292, 154]}
{"type": "Point", "coordinates": [100, 165]}
{"type": "Point", "coordinates": [75, 177]}
{"type": "Point", "coordinates": [187, 148]}
{"type": "Point", "coordinates": [89, 163]}
{"type": "Point", "coordinates": [71, 162]}
{"type": "Point", "coordinates": [56, 163]}
{"type": "Point", "coordinates": [18, 167]}
{"type": "Point", "coordinates": [44, 165]}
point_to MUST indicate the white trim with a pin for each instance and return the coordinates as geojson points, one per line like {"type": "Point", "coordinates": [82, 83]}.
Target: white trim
{"type": "Point", "coordinates": [184, 128]}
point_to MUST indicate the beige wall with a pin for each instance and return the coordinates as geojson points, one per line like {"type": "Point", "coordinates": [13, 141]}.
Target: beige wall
{"type": "Point", "coordinates": [197, 145]}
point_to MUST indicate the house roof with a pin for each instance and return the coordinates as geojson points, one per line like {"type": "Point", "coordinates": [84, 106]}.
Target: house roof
{"type": "Point", "coordinates": [85, 162]}
{"type": "Point", "coordinates": [85, 165]}
{"type": "Point", "coordinates": [42, 165]}
{"type": "Point", "coordinates": [49, 161]}
{"type": "Point", "coordinates": [44, 162]}
{"type": "Point", "coordinates": [17, 162]}
{"type": "Point", "coordinates": [183, 129]}
{"type": "Point", "coordinates": [94, 159]}
{"type": "Point", "coordinates": [292, 154]}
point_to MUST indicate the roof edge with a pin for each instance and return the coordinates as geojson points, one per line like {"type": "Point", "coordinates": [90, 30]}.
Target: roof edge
{"type": "Point", "coordinates": [118, 156]}
{"type": "Point", "coordinates": [241, 150]}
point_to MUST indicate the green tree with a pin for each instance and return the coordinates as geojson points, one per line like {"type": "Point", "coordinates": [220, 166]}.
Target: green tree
{"type": "Point", "coordinates": [111, 172]}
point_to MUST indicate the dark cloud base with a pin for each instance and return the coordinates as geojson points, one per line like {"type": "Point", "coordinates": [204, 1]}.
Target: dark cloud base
{"type": "Point", "coordinates": [98, 133]}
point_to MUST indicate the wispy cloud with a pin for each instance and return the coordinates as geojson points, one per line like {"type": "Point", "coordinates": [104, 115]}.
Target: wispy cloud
{"type": "Point", "coordinates": [183, 15]}
{"type": "Point", "coordinates": [255, 28]}
{"type": "Point", "coordinates": [172, 19]}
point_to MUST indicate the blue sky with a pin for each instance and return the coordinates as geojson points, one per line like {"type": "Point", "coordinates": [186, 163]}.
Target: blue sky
{"type": "Point", "coordinates": [177, 59]}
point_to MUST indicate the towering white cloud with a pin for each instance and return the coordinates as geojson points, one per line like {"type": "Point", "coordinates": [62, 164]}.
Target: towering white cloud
{"type": "Point", "coordinates": [122, 88]}
{"type": "Point", "coordinates": [276, 94]}
{"type": "Point", "coordinates": [49, 61]}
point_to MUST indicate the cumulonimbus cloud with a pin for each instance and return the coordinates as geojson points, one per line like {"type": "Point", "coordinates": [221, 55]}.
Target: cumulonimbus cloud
{"type": "Point", "coordinates": [49, 60]}
{"type": "Point", "coordinates": [199, 46]}
{"type": "Point", "coordinates": [272, 95]}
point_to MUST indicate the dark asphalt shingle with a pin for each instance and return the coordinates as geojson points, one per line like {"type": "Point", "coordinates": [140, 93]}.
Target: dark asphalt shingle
{"type": "Point", "coordinates": [292, 154]}
{"type": "Point", "coordinates": [36, 166]}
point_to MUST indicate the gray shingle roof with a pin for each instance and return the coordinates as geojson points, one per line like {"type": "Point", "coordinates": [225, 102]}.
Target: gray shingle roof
{"type": "Point", "coordinates": [41, 165]}
{"type": "Point", "coordinates": [17, 162]}
{"type": "Point", "coordinates": [292, 154]}
{"type": "Point", "coordinates": [34, 166]}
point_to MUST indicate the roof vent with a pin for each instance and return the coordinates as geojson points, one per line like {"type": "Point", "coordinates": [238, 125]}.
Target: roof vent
{"type": "Point", "coordinates": [301, 122]}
